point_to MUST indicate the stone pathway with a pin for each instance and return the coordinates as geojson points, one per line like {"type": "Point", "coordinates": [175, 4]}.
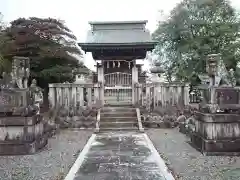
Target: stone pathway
{"type": "Point", "coordinates": [119, 156]}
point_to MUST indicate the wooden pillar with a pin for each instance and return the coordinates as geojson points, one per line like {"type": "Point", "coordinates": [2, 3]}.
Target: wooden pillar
{"type": "Point", "coordinates": [134, 81]}
{"type": "Point", "coordinates": [101, 81]}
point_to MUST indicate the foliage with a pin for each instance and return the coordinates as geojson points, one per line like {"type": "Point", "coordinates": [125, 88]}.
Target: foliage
{"type": "Point", "coordinates": [61, 73]}
{"type": "Point", "coordinates": [195, 29]}
{"type": "Point", "coordinates": [49, 43]}
{"type": "Point", "coordinates": [5, 65]}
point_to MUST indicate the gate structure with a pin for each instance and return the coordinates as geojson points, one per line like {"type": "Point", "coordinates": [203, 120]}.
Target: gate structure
{"type": "Point", "coordinates": [115, 46]}
{"type": "Point", "coordinates": [118, 88]}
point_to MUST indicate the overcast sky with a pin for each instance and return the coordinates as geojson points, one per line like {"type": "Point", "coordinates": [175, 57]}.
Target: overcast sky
{"type": "Point", "coordinates": [77, 13]}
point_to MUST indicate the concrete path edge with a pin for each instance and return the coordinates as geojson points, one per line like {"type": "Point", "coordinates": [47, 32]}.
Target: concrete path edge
{"type": "Point", "coordinates": [71, 174]}
{"type": "Point", "coordinates": [164, 169]}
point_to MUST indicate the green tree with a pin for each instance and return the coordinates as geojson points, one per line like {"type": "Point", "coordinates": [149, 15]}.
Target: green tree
{"type": "Point", "coordinates": [5, 65]}
{"type": "Point", "coordinates": [49, 44]}
{"type": "Point", "coordinates": [195, 29]}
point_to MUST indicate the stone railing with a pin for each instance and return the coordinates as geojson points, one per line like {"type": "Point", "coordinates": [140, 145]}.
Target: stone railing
{"type": "Point", "coordinates": [74, 94]}
{"type": "Point", "coordinates": [149, 95]}
{"type": "Point", "coordinates": [152, 95]}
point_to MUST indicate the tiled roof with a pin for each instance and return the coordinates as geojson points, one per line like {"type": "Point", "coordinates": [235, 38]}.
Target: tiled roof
{"type": "Point", "coordinates": [117, 36]}
{"type": "Point", "coordinates": [118, 32]}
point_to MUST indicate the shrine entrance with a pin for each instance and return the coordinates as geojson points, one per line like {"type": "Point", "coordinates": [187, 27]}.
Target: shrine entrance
{"type": "Point", "coordinates": [118, 88]}
{"type": "Point", "coordinates": [116, 46]}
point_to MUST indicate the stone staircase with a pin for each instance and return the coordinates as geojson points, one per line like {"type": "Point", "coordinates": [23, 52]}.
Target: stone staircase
{"type": "Point", "coordinates": [118, 119]}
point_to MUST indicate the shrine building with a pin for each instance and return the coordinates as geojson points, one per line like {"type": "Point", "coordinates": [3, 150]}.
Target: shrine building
{"type": "Point", "coordinates": [115, 46]}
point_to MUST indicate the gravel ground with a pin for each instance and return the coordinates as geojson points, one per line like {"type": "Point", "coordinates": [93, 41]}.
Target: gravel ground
{"type": "Point", "coordinates": [189, 164]}
{"type": "Point", "coordinates": [57, 158]}
{"type": "Point", "coordinates": [52, 163]}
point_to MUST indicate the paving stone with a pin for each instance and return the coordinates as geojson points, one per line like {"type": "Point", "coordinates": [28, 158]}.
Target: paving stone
{"type": "Point", "coordinates": [146, 175]}
{"type": "Point", "coordinates": [120, 157]}
{"type": "Point", "coordinates": [132, 159]}
{"type": "Point", "coordinates": [84, 177]}
{"type": "Point", "coordinates": [106, 176]}
{"type": "Point", "coordinates": [89, 167]}
{"type": "Point", "coordinates": [102, 159]}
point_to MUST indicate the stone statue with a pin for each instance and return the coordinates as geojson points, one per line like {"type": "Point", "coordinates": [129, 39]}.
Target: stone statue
{"type": "Point", "coordinates": [16, 108]}
{"type": "Point", "coordinates": [222, 76]}
{"type": "Point", "coordinates": [36, 95]}
{"type": "Point", "coordinates": [20, 71]}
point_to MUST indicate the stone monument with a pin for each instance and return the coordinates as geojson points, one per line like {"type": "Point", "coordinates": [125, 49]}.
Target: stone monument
{"type": "Point", "coordinates": [217, 125]}
{"type": "Point", "coordinates": [22, 127]}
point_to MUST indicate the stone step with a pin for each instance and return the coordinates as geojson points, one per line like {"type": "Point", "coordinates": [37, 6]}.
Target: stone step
{"type": "Point", "coordinates": [119, 104]}
{"type": "Point", "coordinates": [118, 119]}
{"type": "Point", "coordinates": [118, 109]}
{"type": "Point", "coordinates": [118, 124]}
{"type": "Point", "coordinates": [118, 129]}
{"type": "Point", "coordinates": [114, 103]}
{"type": "Point", "coordinates": [118, 114]}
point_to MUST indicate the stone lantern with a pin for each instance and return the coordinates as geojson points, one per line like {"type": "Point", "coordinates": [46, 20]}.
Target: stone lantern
{"type": "Point", "coordinates": [157, 69]}
{"type": "Point", "coordinates": [80, 75]}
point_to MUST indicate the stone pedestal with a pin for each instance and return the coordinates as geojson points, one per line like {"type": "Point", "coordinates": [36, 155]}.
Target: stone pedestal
{"type": "Point", "coordinates": [217, 133]}
{"type": "Point", "coordinates": [22, 135]}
